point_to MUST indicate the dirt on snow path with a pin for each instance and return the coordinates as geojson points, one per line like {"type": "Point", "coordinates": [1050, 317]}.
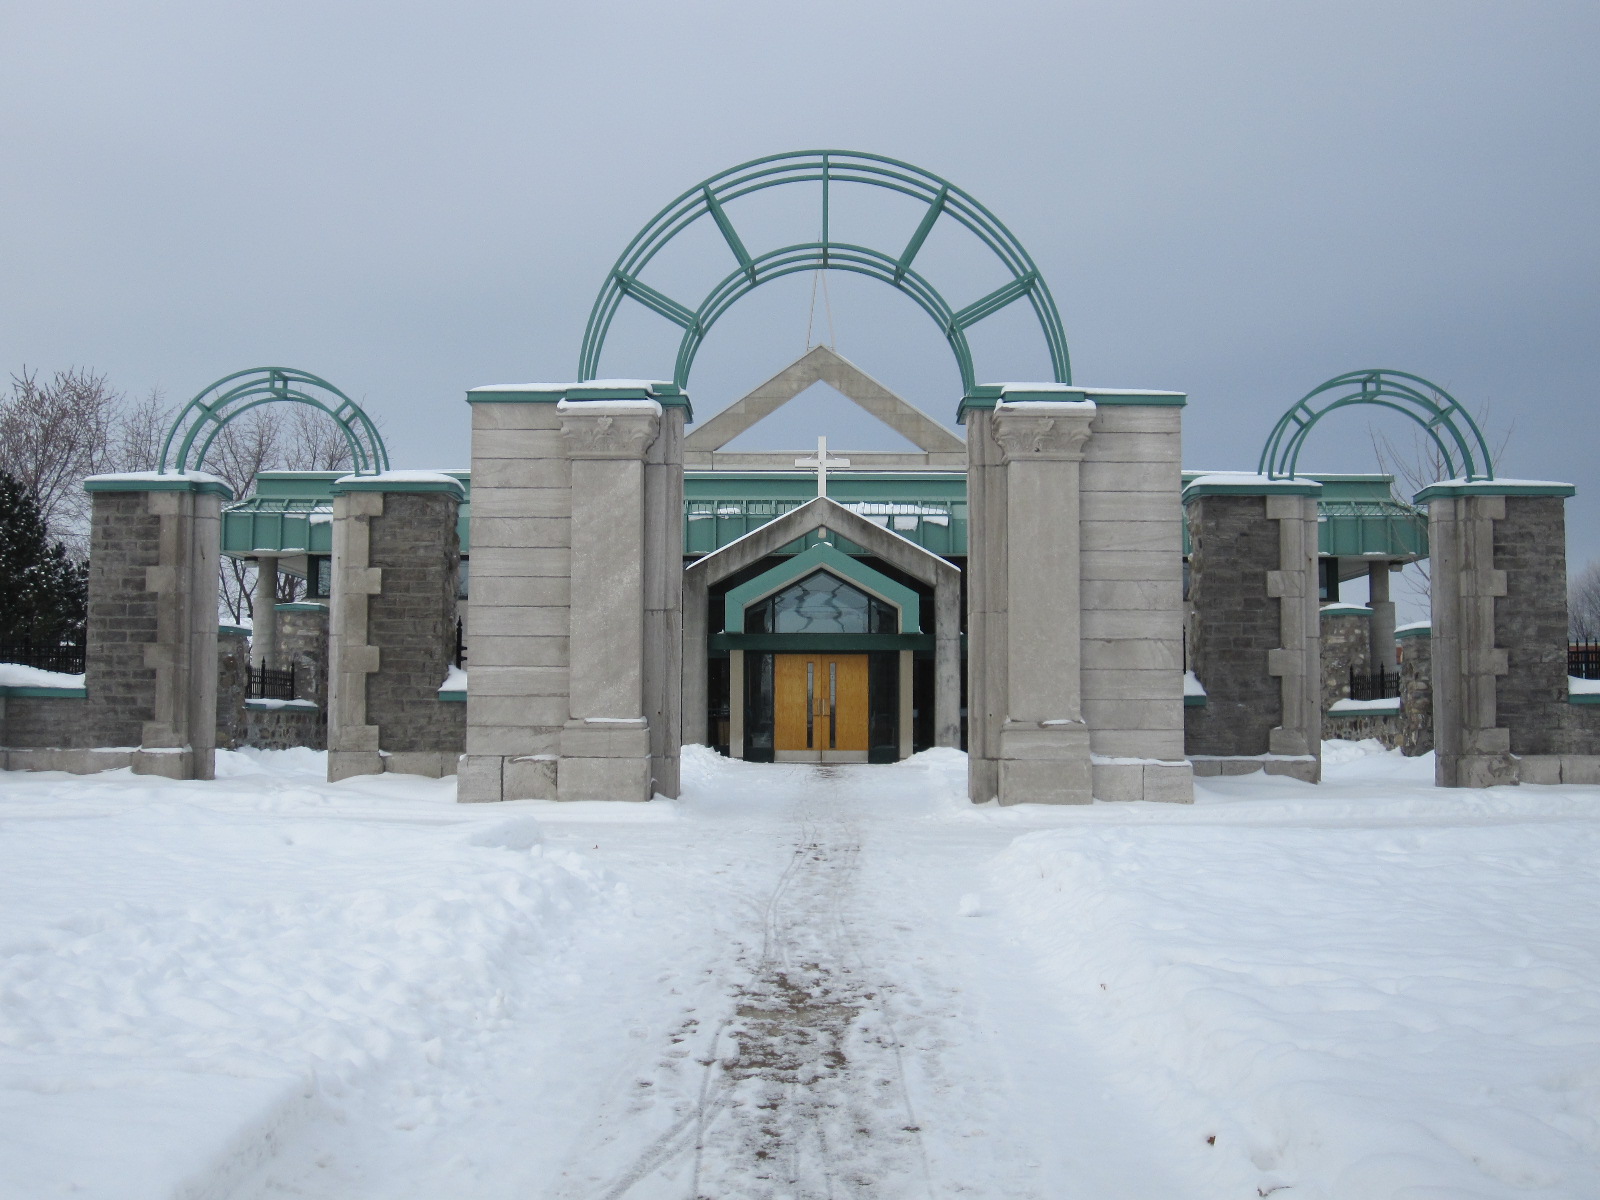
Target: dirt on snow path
{"type": "Point", "coordinates": [802, 993]}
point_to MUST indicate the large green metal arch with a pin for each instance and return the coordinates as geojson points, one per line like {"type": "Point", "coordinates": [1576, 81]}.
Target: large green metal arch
{"type": "Point", "coordinates": [204, 417]}
{"type": "Point", "coordinates": [829, 168]}
{"type": "Point", "coordinates": [1440, 415]}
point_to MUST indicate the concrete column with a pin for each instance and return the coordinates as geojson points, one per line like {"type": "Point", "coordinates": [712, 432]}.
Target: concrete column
{"type": "Point", "coordinates": [1382, 655]}
{"type": "Point", "coordinates": [736, 687]}
{"type": "Point", "coordinates": [907, 678]}
{"type": "Point", "coordinates": [606, 742]}
{"type": "Point", "coordinates": [664, 629]}
{"type": "Point", "coordinates": [696, 684]}
{"type": "Point", "coordinates": [264, 613]}
{"type": "Point", "coordinates": [1044, 741]}
{"type": "Point", "coordinates": [947, 662]}
{"type": "Point", "coordinates": [986, 605]}
{"type": "Point", "coordinates": [152, 630]}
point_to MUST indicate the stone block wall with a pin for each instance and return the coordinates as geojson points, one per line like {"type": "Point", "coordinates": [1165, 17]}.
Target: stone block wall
{"type": "Point", "coordinates": [1416, 693]}
{"type": "Point", "coordinates": [41, 723]}
{"type": "Point", "coordinates": [1233, 623]}
{"type": "Point", "coordinates": [124, 545]}
{"type": "Point", "coordinates": [396, 555]}
{"type": "Point", "coordinates": [1530, 625]}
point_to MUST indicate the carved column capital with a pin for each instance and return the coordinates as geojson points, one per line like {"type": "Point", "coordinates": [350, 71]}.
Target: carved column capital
{"type": "Point", "coordinates": [1055, 432]}
{"type": "Point", "coordinates": [608, 433]}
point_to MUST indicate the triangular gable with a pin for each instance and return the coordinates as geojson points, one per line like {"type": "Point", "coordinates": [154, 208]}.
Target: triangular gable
{"type": "Point", "coordinates": [823, 364]}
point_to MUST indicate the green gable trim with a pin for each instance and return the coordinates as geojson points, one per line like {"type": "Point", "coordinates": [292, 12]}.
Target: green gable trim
{"type": "Point", "coordinates": [152, 482]}
{"type": "Point", "coordinates": [835, 562]}
{"type": "Point", "coordinates": [921, 644]}
{"type": "Point", "coordinates": [1493, 487]}
{"type": "Point", "coordinates": [44, 693]}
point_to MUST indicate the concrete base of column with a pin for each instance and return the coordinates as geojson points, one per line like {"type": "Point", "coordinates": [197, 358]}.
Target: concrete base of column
{"type": "Point", "coordinates": [1045, 764]}
{"type": "Point", "coordinates": [1305, 768]}
{"type": "Point", "coordinates": [604, 760]}
{"type": "Point", "coordinates": [175, 763]}
{"type": "Point", "coordinates": [1475, 770]}
{"type": "Point", "coordinates": [346, 764]}
{"type": "Point", "coordinates": [1167, 783]}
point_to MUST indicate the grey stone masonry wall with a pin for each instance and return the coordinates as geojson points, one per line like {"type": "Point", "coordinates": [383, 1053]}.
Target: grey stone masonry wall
{"type": "Point", "coordinates": [576, 616]}
{"type": "Point", "coordinates": [396, 557]}
{"type": "Point", "coordinates": [1254, 636]}
{"type": "Point", "coordinates": [38, 723]}
{"type": "Point", "coordinates": [1232, 625]}
{"type": "Point", "coordinates": [285, 729]}
{"type": "Point", "coordinates": [152, 629]}
{"type": "Point", "coordinates": [1499, 639]}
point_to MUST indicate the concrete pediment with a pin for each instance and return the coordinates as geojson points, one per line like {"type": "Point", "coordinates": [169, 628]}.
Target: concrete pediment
{"type": "Point", "coordinates": [822, 364]}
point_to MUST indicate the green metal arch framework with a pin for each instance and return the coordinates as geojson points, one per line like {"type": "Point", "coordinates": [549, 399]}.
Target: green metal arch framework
{"type": "Point", "coordinates": [1441, 416]}
{"type": "Point", "coordinates": [829, 168]}
{"type": "Point", "coordinates": [204, 417]}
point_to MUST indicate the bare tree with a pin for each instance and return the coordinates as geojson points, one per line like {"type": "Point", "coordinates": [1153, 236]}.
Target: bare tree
{"type": "Point", "coordinates": [140, 432]}
{"type": "Point", "coordinates": [1416, 462]}
{"type": "Point", "coordinates": [1583, 605]}
{"type": "Point", "coordinates": [54, 433]}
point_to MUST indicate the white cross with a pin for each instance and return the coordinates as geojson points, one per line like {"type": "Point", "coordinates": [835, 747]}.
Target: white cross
{"type": "Point", "coordinates": [822, 462]}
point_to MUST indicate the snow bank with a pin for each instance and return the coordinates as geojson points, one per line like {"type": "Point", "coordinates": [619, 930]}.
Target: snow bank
{"type": "Point", "coordinates": [17, 675]}
{"type": "Point", "coordinates": [1376, 991]}
{"type": "Point", "coordinates": [187, 969]}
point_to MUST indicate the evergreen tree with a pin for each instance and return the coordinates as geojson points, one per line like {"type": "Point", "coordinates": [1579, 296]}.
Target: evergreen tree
{"type": "Point", "coordinates": [43, 593]}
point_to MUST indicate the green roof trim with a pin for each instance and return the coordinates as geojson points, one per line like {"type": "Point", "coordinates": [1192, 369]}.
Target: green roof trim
{"type": "Point", "coordinates": [1194, 701]}
{"type": "Point", "coordinates": [1416, 631]}
{"type": "Point", "coordinates": [232, 631]}
{"type": "Point", "coordinates": [1572, 697]}
{"type": "Point", "coordinates": [1392, 709]}
{"type": "Point", "coordinates": [1249, 485]}
{"type": "Point", "coordinates": [1328, 610]}
{"type": "Point", "coordinates": [18, 692]}
{"type": "Point", "coordinates": [401, 481]}
{"type": "Point", "coordinates": [835, 562]}
{"type": "Point", "coordinates": [154, 481]}
{"type": "Point", "coordinates": [302, 606]}
{"type": "Point", "coordinates": [1493, 487]}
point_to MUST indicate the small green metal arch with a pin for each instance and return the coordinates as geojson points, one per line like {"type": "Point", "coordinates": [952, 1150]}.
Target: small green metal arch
{"type": "Point", "coordinates": [828, 168]}
{"type": "Point", "coordinates": [204, 417]}
{"type": "Point", "coordinates": [1454, 432]}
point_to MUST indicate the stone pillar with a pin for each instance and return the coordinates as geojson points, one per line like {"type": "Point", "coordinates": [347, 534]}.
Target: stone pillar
{"type": "Point", "coordinates": [303, 646]}
{"type": "Point", "coordinates": [947, 663]}
{"type": "Point", "coordinates": [392, 626]}
{"type": "Point", "coordinates": [1499, 625]}
{"type": "Point", "coordinates": [1043, 744]}
{"type": "Point", "coordinates": [1381, 653]}
{"type": "Point", "coordinates": [1253, 541]}
{"type": "Point", "coordinates": [605, 743]}
{"type": "Point", "coordinates": [1416, 690]}
{"type": "Point", "coordinates": [233, 674]}
{"type": "Point", "coordinates": [264, 614]}
{"type": "Point", "coordinates": [576, 617]}
{"type": "Point", "coordinates": [152, 630]}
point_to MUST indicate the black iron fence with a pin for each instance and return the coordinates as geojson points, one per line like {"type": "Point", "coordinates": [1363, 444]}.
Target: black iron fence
{"type": "Point", "coordinates": [459, 656]}
{"type": "Point", "coordinates": [1379, 685]}
{"type": "Point", "coordinates": [1583, 659]}
{"type": "Point", "coordinates": [267, 684]}
{"type": "Point", "coordinates": [45, 656]}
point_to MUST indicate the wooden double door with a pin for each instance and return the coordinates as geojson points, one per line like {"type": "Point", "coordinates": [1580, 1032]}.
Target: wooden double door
{"type": "Point", "coordinates": [819, 707]}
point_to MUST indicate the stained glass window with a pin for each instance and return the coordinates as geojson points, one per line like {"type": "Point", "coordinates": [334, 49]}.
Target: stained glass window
{"type": "Point", "coordinates": [821, 603]}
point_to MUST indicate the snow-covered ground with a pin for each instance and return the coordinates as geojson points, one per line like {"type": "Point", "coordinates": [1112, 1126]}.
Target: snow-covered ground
{"type": "Point", "coordinates": [797, 982]}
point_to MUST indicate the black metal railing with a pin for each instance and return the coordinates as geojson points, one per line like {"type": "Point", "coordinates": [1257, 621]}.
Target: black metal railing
{"type": "Point", "coordinates": [459, 656]}
{"type": "Point", "coordinates": [1583, 659]}
{"type": "Point", "coordinates": [1379, 685]}
{"type": "Point", "coordinates": [267, 684]}
{"type": "Point", "coordinates": [44, 656]}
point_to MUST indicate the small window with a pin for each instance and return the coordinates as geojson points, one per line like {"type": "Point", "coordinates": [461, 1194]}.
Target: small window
{"type": "Point", "coordinates": [321, 577]}
{"type": "Point", "coordinates": [821, 603]}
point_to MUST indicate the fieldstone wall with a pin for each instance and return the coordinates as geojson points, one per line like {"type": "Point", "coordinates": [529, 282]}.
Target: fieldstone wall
{"type": "Point", "coordinates": [284, 729]}
{"type": "Point", "coordinates": [1416, 694]}
{"type": "Point", "coordinates": [233, 679]}
{"type": "Point", "coordinates": [1346, 646]}
{"type": "Point", "coordinates": [1233, 623]}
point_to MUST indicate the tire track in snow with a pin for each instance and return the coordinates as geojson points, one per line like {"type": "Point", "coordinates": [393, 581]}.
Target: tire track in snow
{"type": "Point", "coordinates": [802, 1091]}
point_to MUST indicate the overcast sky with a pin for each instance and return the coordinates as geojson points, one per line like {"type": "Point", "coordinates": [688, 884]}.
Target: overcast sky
{"type": "Point", "coordinates": [1235, 200]}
